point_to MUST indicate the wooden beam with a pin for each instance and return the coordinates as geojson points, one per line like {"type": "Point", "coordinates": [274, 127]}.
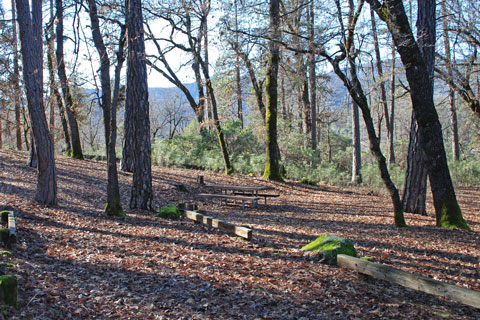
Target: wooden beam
{"type": "Point", "coordinates": [409, 280]}
{"type": "Point", "coordinates": [12, 228]}
{"type": "Point", "coordinates": [243, 232]}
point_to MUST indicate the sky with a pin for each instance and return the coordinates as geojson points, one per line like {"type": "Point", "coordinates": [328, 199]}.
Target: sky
{"type": "Point", "coordinates": [155, 79]}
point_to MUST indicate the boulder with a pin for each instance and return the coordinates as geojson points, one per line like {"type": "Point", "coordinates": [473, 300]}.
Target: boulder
{"type": "Point", "coordinates": [169, 212]}
{"type": "Point", "coordinates": [327, 247]}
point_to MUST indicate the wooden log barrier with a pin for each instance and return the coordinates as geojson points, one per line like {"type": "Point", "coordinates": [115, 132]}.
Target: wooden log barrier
{"type": "Point", "coordinates": [409, 280]}
{"type": "Point", "coordinates": [243, 232]}
{"type": "Point", "coordinates": [12, 229]}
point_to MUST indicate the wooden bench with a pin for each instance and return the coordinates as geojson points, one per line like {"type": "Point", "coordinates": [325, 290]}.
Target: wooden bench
{"type": "Point", "coordinates": [226, 197]}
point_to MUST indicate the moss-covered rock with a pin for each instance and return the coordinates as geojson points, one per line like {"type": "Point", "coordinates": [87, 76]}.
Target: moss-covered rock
{"type": "Point", "coordinates": [169, 212]}
{"type": "Point", "coordinates": [328, 247]}
{"type": "Point", "coordinates": [6, 253]}
{"type": "Point", "coordinates": [8, 290]}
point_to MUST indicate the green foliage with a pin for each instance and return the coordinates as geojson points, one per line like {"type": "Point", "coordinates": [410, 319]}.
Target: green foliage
{"type": "Point", "coordinates": [308, 181]}
{"type": "Point", "coordinates": [169, 212]}
{"type": "Point", "coordinates": [465, 172]}
{"type": "Point", "coordinates": [193, 149]}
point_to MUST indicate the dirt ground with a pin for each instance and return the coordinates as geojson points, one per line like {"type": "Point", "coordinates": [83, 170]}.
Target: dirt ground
{"type": "Point", "coordinates": [73, 262]}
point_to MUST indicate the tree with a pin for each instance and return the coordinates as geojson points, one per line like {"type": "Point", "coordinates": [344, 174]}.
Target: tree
{"type": "Point", "coordinates": [451, 89]}
{"type": "Point", "coordinates": [415, 191]}
{"type": "Point", "coordinates": [312, 77]}
{"type": "Point", "coordinates": [348, 52]}
{"type": "Point", "coordinates": [383, 91]}
{"type": "Point", "coordinates": [114, 206]}
{"type": "Point", "coordinates": [272, 166]}
{"type": "Point", "coordinates": [137, 100]}
{"type": "Point", "coordinates": [76, 151]}
{"type": "Point", "coordinates": [447, 210]}
{"type": "Point", "coordinates": [30, 26]}
{"type": "Point", "coordinates": [15, 76]}
{"type": "Point", "coordinates": [464, 15]}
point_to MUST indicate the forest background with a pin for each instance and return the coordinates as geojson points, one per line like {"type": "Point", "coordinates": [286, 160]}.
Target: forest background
{"type": "Point", "coordinates": [234, 45]}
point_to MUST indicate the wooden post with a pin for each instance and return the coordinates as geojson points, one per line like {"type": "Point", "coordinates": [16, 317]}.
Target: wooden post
{"type": "Point", "coordinates": [200, 180]}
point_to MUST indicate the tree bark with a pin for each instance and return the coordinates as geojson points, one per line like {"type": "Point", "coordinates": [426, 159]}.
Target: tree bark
{"type": "Point", "coordinates": [272, 166]}
{"type": "Point", "coordinates": [30, 26]}
{"type": "Point", "coordinates": [76, 151]}
{"type": "Point", "coordinates": [448, 213]}
{"type": "Point", "coordinates": [312, 78]}
{"type": "Point", "coordinates": [415, 191]}
{"type": "Point", "coordinates": [381, 84]}
{"type": "Point", "coordinates": [356, 152]}
{"type": "Point", "coordinates": [113, 207]}
{"type": "Point", "coordinates": [391, 130]}
{"type": "Point", "coordinates": [15, 80]}
{"type": "Point", "coordinates": [137, 99]}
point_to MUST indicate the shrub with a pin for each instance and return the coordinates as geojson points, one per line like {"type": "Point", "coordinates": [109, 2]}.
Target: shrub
{"type": "Point", "coordinates": [308, 181]}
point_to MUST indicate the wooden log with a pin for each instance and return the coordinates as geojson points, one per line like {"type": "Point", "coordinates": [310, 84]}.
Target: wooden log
{"type": "Point", "coordinates": [409, 280]}
{"type": "Point", "coordinates": [12, 229]}
{"type": "Point", "coordinates": [243, 232]}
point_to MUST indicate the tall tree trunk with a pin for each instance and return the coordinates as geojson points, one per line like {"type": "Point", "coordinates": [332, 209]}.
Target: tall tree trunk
{"type": "Point", "coordinates": [383, 91]}
{"type": "Point", "coordinates": [356, 152]}
{"type": "Point", "coordinates": [356, 92]}
{"type": "Point", "coordinates": [415, 191]}
{"type": "Point", "coordinates": [15, 80]}
{"type": "Point", "coordinates": [312, 78]}
{"type": "Point", "coordinates": [126, 164]}
{"type": "Point", "coordinates": [30, 26]}
{"type": "Point", "coordinates": [272, 166]}
{"type": "Point", "coordinates": [113, 207]}
{"type": "Point", "coordinates": [137, 98]}
{"type": "Point", "coordinates": [391, 129]}
{"type": "Point", "coordinates": [210, 92]}
{"type": "Point", "coordinates": [448, 213]}
{"type": "Point", "coordinates": [76, 151]}
{"type": "Point", "coordinates": [451, 90]}
{"type": "Point", "coordinates": [238, 84]}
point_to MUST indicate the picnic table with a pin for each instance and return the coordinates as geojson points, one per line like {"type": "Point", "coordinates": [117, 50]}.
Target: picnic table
{"type": "Point", "coordinates": [240, 192]}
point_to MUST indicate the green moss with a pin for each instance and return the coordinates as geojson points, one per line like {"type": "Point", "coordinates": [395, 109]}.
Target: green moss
{"type": "Point", "coordinates": [399, 219]}
{"type": "Point", "coordinates": [115, 210]}
{"type": "Point", "coordinates": [8, 290]}
{"type": "Point", "coordinates": [169, 212]}
{"type": "Point", "coordinates": [449, 215]}
{"type": "Point", "coordinates": [6, 253]}
{"type": "Point", "coordinates": [330, 246]}
{"type": "Point", "coordinates": [8, 265]}
{"type": "Point", "coordinates": [308, 181]}
{"type": "Point", "coordinates": [367, 259]}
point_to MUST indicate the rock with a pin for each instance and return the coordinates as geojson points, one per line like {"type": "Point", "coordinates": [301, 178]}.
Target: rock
{"type": "Point", "coordinates": [169, 212]}
{"type": "Point", "coordinates": [328, 247]}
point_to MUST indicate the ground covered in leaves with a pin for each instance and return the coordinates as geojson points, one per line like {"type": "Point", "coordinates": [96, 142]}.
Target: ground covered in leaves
{"type": "Point", "coordinates": [73, 262]}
